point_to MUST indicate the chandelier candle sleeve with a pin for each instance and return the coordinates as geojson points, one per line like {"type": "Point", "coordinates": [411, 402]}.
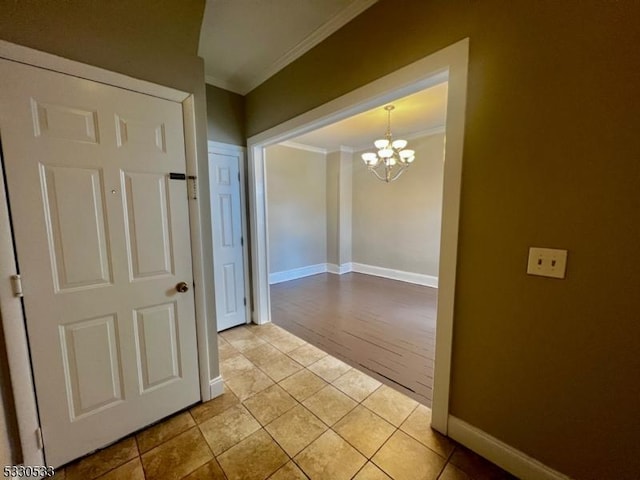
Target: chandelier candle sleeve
{"type": "Point", "coordinates": [392, 158]}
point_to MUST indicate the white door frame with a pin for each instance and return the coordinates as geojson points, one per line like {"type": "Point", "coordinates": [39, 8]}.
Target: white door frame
{"type": "Point", "coordinates": [451, 64]}
{"type": "Point", "coordinates": [228, 148]}
{"type": "Point", "coordinates": [13, 321]}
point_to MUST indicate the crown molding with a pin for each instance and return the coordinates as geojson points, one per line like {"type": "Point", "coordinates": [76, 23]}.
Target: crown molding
{"type": "Point", "coordinates": [321, 33]}
{"type": "Point", "coordinates": [302, 146]}
{"type": "Point", "coordinates": [225, 85]}
{"type": "Point", "coordinates": [341, 148]}
{"type": "Point", "coordinates": [412, 136]}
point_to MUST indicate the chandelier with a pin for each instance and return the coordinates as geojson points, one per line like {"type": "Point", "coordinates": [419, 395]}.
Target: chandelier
{"type": "Point", "coordinates": [392, 158]}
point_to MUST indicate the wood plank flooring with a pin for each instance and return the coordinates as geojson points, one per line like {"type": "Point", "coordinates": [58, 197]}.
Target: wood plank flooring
{"type": "Point", "coordinates": [384, 327]}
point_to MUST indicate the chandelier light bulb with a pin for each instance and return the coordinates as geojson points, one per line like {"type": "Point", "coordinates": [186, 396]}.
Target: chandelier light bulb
{"type": "Point", "coordinates": [382, 143]}
{"type": "Point", "coordinates": [370, 158]}
{"type": "Point", "coordinates": [399, 144]}
{"type": "Point", "coordinates": [385, 153]}
{"type": "Point", "coordinates": [392, 159]}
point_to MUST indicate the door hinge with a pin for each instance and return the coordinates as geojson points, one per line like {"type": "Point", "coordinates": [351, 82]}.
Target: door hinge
{"type": "Point", "coordinates": [242, 241]}
{"type": "Point", "coordinates": [16, 285]}
{"type": "Point", "coordinates": [238, 176]}
{"type": "Point", "coordinates": [245, 301]}
{"type": "Point", "coordinates": [193, 187]}
{"type": "Point", "coordinates": [39, 439]}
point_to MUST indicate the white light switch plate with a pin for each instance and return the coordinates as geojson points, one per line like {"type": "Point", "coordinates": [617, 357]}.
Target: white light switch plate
{"type": "Point", "coordinates": [547, 262]}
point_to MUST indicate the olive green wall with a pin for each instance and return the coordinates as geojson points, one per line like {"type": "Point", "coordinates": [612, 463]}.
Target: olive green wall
{"type": "Point", "coordinates": [225, 116]}
{"type": "Point", "coordinates": [149, 40]}
{"type": "Point", "coordinates": [550, 159]}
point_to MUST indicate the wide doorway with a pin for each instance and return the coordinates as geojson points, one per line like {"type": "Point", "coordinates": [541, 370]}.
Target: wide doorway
{"type": "Point", "coordinates": [379, 241]}
{"type": "Point", "coordinates": [449, 64]}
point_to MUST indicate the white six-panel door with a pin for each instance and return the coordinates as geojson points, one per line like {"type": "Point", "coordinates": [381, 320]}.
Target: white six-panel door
{"type": "Point", "coordinates": [102, 240]}
{"type": "Point", "coordinates": [228, 251]}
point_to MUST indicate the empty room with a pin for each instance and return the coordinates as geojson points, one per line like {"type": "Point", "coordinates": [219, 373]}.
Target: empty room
{"type": "Point", "coordinates": [353, 257]}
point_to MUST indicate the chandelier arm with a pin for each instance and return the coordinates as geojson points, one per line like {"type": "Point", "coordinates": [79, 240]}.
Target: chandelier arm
{"type": "Point", "coordinates": [383, 169]}
{"type": "Point", "coordinates": [400, 172]}
{"type": "Point", "coordinates": [375, 172]}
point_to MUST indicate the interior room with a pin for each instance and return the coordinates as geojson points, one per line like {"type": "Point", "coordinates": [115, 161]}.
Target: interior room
{"type": "Point", "coordinates": [123, 129]}
{"type": "Point", "coordinates": [356, 222]}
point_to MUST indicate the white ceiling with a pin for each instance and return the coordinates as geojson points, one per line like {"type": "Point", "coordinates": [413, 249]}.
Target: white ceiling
{"type": "Point", "coordinates": [244, 42]}
{"type": "Point", "coordinates": [415, 115]}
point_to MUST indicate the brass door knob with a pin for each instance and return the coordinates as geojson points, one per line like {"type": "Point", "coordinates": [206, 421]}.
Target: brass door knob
{"type": "Point", "coordinates": [182, 287]}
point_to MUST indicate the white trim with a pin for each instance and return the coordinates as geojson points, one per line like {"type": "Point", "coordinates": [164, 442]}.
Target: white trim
{"type": "Point", "coordinates": [449, 64]}
{"type": "Point", "coordinates": [197, 252]}
{"type": "Point", "coordinates": [346, 149]}
{"type": "Point", "coordinates": [341, 148]}
{"type": "Point", "coordinates": [409, 277]}
{"type": "Point", "coordinates": [302, 146]}
{"type": "Point", "coordinates": [412, 136]}
{"type": "Point", "coordinates": [294, 273]}
{"type": "Point", "coordinates": [225, 85]}
{"type": "Point", "coordinates": [12, 315]}
{"type": "Point", "coordinates": [228, 148]}
{"type": "Point", "coordinates": [343, 17]}
{"type": "Point", "coordinates": [15, 335]}
{"type": "Point", "coordinates": [339, 269]}
{"type": "Point", "coordinates": [36, 58]}
{"type": "Point", "coordinates": [216, 387]}
{"type": "Point", "coordinates": [513, 461]}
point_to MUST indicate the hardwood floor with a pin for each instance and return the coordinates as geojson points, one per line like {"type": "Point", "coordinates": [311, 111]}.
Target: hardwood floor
{"type": "Point", "coordinates": [384, 327]}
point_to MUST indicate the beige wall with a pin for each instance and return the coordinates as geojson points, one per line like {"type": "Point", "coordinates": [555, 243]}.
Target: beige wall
{"type": "Point", "coordinates": [339, 207]}
{"type": "Point", "coordinates": [550, 159]}
{"type": "Point", "coordinates": [333, 204]}
{"type": "Point", "coordinates": [397, 225]}
{"type": "Point", "coordinates": [154, 41]}
{"type": "Point", "coordinates": [296, 208]}
{"type": "Point", "coordinates": [225, 116]}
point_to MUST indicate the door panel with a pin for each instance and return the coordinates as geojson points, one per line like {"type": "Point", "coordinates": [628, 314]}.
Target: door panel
{"type": "Point", "coordinates": [228, 251]}
{"type": "Point", "coordinates": [102, 238]}
{"type": "Point", "coordinates": [92, 364]}
{"type": "Point", "coordinates": [156, 334]}
{"type": "Point", "coordinates": [74, 208]}
{"type": "Point", "coordinates": [146, 208]}
{"type": "Point", "coordinates": [231, 299]}
{"type": "Point", "coordinates": [65, 122]}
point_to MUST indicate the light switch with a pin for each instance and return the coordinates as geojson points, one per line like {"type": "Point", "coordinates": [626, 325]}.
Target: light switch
{"type": "Point", "coordinates": [547, 262]}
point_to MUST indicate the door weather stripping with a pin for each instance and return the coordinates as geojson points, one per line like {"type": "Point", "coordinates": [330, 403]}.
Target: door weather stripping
{"type": "Point", "coordinates": [16, 285]}
{"type": "Point", "coordinates": [193, 187]}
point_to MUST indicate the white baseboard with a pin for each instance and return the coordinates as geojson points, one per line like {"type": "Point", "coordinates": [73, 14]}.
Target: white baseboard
{"type": "Point", "coordinates": [339, 269]}
{"type": "Point", "coordinates": [216, 387]}
{"type": "Point", "coordinates": [512, 460]}
{"type": "Point", "coordinates": [286, 275]}
{"type": "Point", "coordinates": [410, 277]}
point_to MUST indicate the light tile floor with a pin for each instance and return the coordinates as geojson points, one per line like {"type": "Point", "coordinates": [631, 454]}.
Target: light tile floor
{"type": "Point", "coordinates": [289, 411]}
